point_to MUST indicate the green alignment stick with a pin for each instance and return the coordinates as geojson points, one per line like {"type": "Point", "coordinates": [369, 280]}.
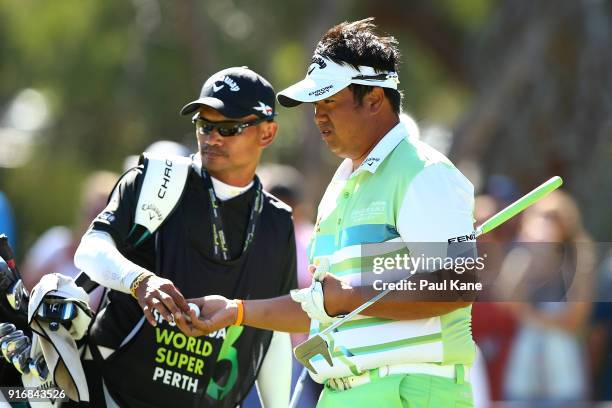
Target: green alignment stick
{"type": "Point", "coordinates": [519, 205]}
{"type": "Point", "coordinates": [317, 345]}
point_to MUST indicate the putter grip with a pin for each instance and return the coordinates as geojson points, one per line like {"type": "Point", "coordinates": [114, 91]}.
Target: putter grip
{"type": "Point", "coordinates": [521, 204]}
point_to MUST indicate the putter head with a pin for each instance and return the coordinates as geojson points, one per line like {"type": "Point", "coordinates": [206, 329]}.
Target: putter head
{"type": "Point", "coordinates": [312, 347]}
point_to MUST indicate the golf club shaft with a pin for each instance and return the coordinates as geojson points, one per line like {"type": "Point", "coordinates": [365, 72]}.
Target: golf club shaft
{"type": "Point", "coordinates": [299, 387]}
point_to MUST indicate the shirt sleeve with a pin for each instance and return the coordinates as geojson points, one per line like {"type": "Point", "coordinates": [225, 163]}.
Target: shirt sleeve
{"type": "Point", "coordinates": [274, 378]}
{"type": "Point", "coordinates": [438, 205]}
{"type": "Point", "coordinates": [290, 265]}
{"type": "Point", "coordinates": [117, 218]}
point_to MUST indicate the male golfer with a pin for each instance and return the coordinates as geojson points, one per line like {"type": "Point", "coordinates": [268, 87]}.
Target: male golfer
{"type": "Point", "coordinates": [389, 188]}
{"type": "Point", "coordinates": [225, 236]}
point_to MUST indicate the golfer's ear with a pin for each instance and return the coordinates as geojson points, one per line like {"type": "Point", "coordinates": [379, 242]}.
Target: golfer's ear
{"type": "Point", "coordinates": [374, 100]}
{"type": "Point", "coordinates": [268, 133]}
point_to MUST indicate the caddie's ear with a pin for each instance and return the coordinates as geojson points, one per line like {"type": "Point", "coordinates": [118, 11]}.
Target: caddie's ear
{"type": "Point", "coordinates": [374, 100]}
{"type": "Point", "coordinates": [267, 133]}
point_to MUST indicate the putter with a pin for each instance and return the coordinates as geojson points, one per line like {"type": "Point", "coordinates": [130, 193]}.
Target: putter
{"type": "Point", "coordinates": [317, 345]}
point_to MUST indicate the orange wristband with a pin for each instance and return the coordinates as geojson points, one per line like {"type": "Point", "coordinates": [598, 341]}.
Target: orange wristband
{"type": "Point", "coordinates": [240, 315]}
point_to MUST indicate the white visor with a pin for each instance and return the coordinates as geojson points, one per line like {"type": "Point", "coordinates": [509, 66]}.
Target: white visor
{"type": "Point", "coordinates": [325, 78]}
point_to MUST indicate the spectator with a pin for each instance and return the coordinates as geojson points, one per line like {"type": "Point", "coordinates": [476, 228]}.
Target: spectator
{"type": "Point", "coordinates": [493, 326]}
{"type": "Point", "coordinates": [600, 336]}
{"type": "Point", "coordinates": [547, 363]}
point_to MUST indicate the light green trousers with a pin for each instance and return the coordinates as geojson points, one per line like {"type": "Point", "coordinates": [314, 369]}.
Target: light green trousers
{"type": "Point", "coordinates": [401, 391]}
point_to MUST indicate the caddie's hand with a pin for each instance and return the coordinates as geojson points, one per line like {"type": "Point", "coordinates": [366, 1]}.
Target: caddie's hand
{"type": "Point", "coordinates": [155, 293]}
{"type": "Point", "coordinates": [216, 312]}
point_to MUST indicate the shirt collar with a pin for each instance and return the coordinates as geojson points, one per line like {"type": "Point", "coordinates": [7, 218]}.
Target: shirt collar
{"type": "Point", "coordinates": [223, 191]}
{"type": "Point", "coordinates": [382, 149]}
{"type": "Point", "coordinates": [378, 154]}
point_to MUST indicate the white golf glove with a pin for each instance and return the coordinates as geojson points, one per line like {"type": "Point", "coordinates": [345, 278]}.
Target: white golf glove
{"type": "Point", "coordinates": [311, 298]}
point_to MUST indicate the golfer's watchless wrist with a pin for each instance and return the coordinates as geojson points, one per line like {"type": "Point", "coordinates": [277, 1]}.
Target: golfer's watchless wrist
{"type": "Point", "coordinates": [340, 301]}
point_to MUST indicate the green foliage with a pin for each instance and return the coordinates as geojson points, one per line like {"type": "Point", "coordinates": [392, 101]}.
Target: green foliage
{"type": "Point", "coordinates": [117, 72]}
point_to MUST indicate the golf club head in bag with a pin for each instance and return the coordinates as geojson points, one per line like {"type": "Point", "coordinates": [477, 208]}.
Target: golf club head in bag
{"type": "Point", "coordinates": [38, 367]}
{"type": "Point", "coordinates": [10, 280]}
{"type": "Point", "coordinates": [14, 344]}
{"type": "Point", "coordinates": [7, 276]}
{"type": "Point", "coordinates": [6, 329]}
{"type": "Point", "coordinates": [56, 313]}
{"type": "Point", "coordinates": [6, 253]}
{"type": "Point", "coordinates": [11, 285]}
{"type": "Point", "coordinates": [17, 296]}
{"type": "Point", "coordinates": [21, 360]}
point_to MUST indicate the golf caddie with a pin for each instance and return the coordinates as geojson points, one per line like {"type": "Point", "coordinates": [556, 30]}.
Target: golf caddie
{"type": "Point", "coordinates": [404, 350]}
{"type": "Point", "coordinates": [187, 227]}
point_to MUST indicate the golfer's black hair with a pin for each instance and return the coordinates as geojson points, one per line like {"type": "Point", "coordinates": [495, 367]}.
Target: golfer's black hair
{"type": "Point", "coordinates": [356, 43]}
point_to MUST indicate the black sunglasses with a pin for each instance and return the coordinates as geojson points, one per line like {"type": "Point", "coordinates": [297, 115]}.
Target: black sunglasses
{"type": "Point", "coordinates": [225, 128]}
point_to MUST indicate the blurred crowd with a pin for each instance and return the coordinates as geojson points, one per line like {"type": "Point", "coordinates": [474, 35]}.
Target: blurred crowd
{"type": "Point", "coordinates": [543, 325]}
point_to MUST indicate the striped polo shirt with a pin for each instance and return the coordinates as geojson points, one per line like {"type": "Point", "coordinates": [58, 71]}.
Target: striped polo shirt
{"type": "Point", "coordinates": [404, 193]}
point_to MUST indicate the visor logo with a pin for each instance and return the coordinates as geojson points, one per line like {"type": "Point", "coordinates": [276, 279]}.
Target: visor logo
{"type": "Point", "coordinates": [320, 62]}
{"type": "Point", "coordinates": [321, 91]}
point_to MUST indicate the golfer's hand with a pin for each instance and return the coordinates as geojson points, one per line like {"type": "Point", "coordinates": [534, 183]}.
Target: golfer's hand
{"type": "Point", "coordinates": [161, 294]}
{"type": "Point", "coordinates": [319, 300]}
{"type": "Point", "coordinates": [335, 292]}
{"type": "Point", "coordinates": [216, 312]}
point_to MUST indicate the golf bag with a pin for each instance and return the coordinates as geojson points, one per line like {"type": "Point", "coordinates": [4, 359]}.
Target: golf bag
{"type": "Point", "coordinates": [60, 313]}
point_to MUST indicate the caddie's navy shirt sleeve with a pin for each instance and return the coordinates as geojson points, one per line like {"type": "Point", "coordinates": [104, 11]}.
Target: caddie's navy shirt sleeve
{"type": "Point", "coordinates": [117, 218]}
{"type": "Point", "coordinates": [290, 265]}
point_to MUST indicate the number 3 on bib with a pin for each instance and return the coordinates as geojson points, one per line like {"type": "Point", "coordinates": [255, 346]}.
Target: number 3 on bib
{"type": "Point", "coordinates": [227, 353]}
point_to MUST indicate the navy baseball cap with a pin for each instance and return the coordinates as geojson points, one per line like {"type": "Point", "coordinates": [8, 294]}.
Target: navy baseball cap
{"type": "Point", "coordinates": [236, 92]}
